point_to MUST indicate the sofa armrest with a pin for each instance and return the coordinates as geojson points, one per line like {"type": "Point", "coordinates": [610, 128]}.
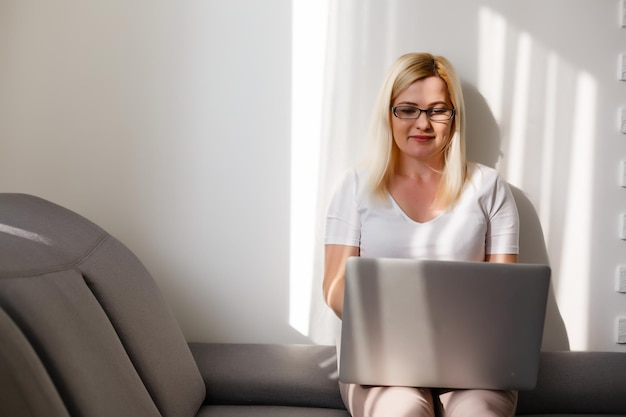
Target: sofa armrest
{"type": "Point", "coordinates": [266, 374]}
{"type": "Point", "coordinates": [577, 383]}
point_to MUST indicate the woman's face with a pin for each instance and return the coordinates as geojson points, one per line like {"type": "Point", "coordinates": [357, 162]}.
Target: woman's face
{"type": "Point", "coordinates": [421, 138]}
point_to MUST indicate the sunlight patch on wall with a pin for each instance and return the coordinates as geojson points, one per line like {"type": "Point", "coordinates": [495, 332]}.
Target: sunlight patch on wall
{"type": "Point", "coordinates": [549, 141]}
{"type": "Point", "coordinates": [519, 113]}
{"type": "Point", "coordinates": [575, 260]}
{"type": "Point", "coordinates": [308, 52]}
{"type": "Point", "coordinates": [492, 48]}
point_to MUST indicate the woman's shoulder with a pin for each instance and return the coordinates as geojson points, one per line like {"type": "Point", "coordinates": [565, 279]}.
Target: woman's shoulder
{"type": "Point", "coordinates": [486, 181]}
{"type": "Point", "coordinates": [352, 182]}
{"type": "Point", "coordinates": [354, 177]}
{"type": "Point", "coordinates": [480, 174]}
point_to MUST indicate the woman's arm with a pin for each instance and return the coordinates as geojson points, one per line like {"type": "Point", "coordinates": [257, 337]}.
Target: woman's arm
{"type": "Point", "coordinates": [507, 258]}
{"type": "Point", "coordinates": [335, 257]}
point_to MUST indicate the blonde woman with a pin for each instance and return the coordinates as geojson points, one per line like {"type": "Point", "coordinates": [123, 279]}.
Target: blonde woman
{"type": "Point", "coordinates": [416, 196]}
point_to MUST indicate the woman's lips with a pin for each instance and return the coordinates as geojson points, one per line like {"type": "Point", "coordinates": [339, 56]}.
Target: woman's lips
{"type": "Point", "coordinates": [421, 138]}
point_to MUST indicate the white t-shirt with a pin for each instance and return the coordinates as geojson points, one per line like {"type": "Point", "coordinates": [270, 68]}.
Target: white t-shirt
{"type": "Point", "coordinates": [484, 221]}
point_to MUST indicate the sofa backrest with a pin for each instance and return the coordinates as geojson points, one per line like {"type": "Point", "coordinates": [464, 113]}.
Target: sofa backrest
{"type": "Point", "coordinates": [84, 330]}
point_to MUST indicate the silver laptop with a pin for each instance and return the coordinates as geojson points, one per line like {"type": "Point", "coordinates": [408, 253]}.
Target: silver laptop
{"type": "Point", "coordinates": [442, 324]}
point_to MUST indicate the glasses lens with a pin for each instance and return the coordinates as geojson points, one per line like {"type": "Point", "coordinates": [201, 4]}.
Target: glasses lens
{"type": "Point", "coordinates": [439, 114]}
{"type": "Point", "coordinates": [434, 114]}
{"type": "Point", "coordinates": [406, 112]}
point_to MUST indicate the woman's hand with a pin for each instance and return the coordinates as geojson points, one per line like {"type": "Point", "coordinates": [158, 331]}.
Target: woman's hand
{"type": "Point", "coordinates": [335, 257]}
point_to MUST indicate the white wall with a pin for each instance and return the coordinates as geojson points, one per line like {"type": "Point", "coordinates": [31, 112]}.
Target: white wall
{"type": "Point", "coordinates": [128, 112]}
{"type": "Point", "coordinates": [125, 112]}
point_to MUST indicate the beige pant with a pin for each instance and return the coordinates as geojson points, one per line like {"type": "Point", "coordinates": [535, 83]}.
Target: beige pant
{"type": "Point", "coordinates": [366, 401]}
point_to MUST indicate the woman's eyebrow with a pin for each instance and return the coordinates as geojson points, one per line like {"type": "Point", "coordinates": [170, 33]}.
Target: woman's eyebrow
{"type": "Point", "coordinates": [410, 103]}
{"type": "Point", "coordinates": [406, 103]}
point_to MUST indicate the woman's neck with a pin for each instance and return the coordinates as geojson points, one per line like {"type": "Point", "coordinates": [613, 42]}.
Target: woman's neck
{"type": "Point", "coordinates": [419, 169]}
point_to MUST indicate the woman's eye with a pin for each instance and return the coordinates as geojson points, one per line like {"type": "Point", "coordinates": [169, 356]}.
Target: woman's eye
{"type": "Point", "coordinates": [407, 111]}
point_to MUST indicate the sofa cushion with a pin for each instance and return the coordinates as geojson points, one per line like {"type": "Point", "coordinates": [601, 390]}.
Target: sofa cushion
{"type": "Point", "coordinates": [92, 314]}
{"type": "Point", "coordinates": [582, 383]}
{"type": "Point", "coordinates": [76, 343]}
{"type": "Point", "coordinates": [268, 411]}
{"type": "Point", "coordinates": [266, 374]}
{"type": "Point", "coordinates": [150, 334]}
{"type": "Point", "coordinates": [20, 371]}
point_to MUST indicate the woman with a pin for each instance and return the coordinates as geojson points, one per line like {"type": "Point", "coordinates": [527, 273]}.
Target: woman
{"type": "Point", "coordinates": [417, 197]}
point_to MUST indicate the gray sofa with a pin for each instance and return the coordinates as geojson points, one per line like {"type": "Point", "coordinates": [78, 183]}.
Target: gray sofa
{"type": "Point", "coordinates": [84, 331]}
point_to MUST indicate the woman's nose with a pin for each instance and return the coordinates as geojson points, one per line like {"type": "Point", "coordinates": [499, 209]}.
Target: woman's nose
{"type": "Point", "coordinates": [422, 122]}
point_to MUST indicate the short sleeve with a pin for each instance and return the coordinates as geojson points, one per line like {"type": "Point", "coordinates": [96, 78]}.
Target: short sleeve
{"type": "Point", "coordinates": [503, 225]}
{"type": "Point", "coordinates": [343, 225]}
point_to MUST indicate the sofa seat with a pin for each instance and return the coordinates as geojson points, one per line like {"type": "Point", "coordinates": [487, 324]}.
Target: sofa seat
{"type": "Point", "coordinates": [301, 380]}
{"type": "Point", "coordinates": [276, 380]}
{"type": "Point", "coordinates": [268, 411]}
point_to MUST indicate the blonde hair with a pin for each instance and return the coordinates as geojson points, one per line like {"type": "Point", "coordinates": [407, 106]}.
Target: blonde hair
{"type": "Point", "coordinates": [383, 151]}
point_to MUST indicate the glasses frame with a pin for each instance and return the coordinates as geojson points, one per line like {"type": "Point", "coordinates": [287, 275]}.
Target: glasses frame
{"type": "Point", "coordinates": [425, 111]}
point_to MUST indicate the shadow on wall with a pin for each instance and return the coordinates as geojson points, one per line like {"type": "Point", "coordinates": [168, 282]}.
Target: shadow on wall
{"type": "Point", "coordinates": [483, 146]}
{"type": "Point", "coordinates": [483, 136]}
{"type": "Point", "coordinates": [533, 250]}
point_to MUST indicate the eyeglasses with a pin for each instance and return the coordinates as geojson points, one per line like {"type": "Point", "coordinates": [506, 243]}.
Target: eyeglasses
{"type": "Point", "coordinates": [434, 114]}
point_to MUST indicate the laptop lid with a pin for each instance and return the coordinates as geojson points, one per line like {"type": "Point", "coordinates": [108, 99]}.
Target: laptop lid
{"type": "Point", "coordinates": [442, 324]}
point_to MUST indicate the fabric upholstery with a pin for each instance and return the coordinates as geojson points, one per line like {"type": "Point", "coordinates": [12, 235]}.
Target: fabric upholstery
{"type": "Point", "coordinates": [77, 344]}
{"type": "Point", "coordinates": [150, 334]}
{"type": "Point", "coordinates": [285, 375]}
{"type": "Point", "coordinates": [584, 383]}
{"type": "Point", "coordinates": [92, 315]}
{"type": "Point", "coordinates": [268, 411]}
{"type": "Point", "coordinates": [249, 379]}
{"type": "Point", "coordinates": [20, 372]}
